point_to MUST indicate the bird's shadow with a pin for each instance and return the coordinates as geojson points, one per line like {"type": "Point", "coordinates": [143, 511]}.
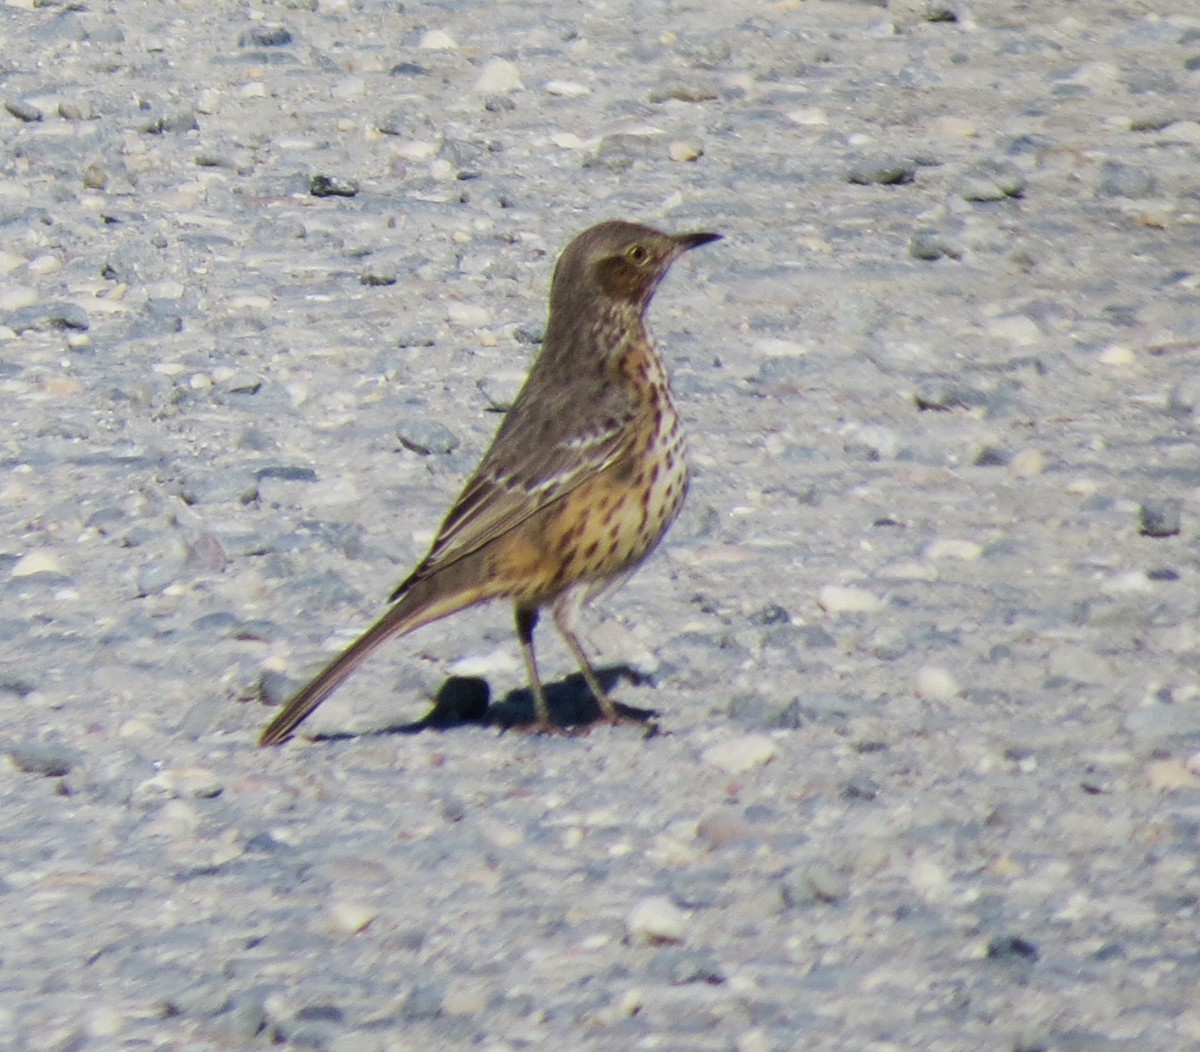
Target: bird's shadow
{"type": "Point", "coordinates": [465, 701]}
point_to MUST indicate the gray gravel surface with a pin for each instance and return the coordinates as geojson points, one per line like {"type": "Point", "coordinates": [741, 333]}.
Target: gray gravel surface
{"type": "Point", "coordinates": [923, 644]}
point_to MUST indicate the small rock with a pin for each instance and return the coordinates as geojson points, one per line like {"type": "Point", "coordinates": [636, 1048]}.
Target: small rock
{"type": "Point", "coordinates": [499, 77]}
{"type": "Point", "coordinates": [1171, 774]}
{"type": "Point", "coordinates": [1027, 463]}
{"type": "Point", "coordinates": [847, 599]}
{"type": "Point", "coordinates": [469, 315]}
{"type": "Point", "coordinates": [184, 782]}
{"type": "Point", "coordinates": [437, 40]}
{"type": "Point", "coordinates": [265, 36]}
{"type": "Point", "coordinates": [332, 186]}
{"type": "Point", "coordinates": [567, 89]}
{"type": "Point", "coordinates": [501, 390]}
{"type": "Point", "coordinates": [991, 180]}
{"type": "Point", "coordinates": [427, 437]}
{"type": "Point", "coordinates": [655, 921]}
{"type": "Point", "coordinates": [45, 758]}
{"type": "Point", "coordinates": [943, 394]}
{"type": "Point", "coordinates": [464, 998]}
{"type": "Point", "coordinates": [1011, 947]}
{"type": "Point", "coordinates": [952, 548]}
{"type": "Point", "coordinates": [724, 827]}
{"type": "Point", "coordinates": [23, 111]}
{"type": "Point", "coordinates": [1121, 180]}
{"type": "Point", "coordinates": [691, 89]}
{"type": "Point", "coordinates": [350, 918]}
{"type": "Point", "coordinates": [35, 562]}
{"type": "Point", "coordinates": [740, 754]}
{"type": "Point", "coordinates": [818, 882]}
{"type": "Point", "coordinates": [1157, 518]}
{"type": "Point", "coordinates": [934, 244]}
{"type": "Point", "coordinates": [937, 684]}
{"type": "Point", "coordinates": [883, 173]}
{"type": "Point", "coordinates": [681, 150]}
{"type": "Point", "coordinates": [43, 317]}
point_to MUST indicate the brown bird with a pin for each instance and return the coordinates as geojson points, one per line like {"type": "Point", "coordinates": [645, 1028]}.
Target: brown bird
{"type": "Point", "coordinates": [584, 476]}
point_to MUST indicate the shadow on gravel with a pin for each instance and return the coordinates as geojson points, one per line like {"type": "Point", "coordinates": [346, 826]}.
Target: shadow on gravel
{"type": "Point", "coordinates": [464, 701]}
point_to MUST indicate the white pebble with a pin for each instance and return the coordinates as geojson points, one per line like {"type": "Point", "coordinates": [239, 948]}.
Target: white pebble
{"type": "Point", "coordinates": [680, 150]}
{"type": "Point", "coordinates": [846, 599]}
{"type": "Point", "coordinates": [809, 117]}
{"type": "Point", "coordinates": [952, 128]}
{"type": "Point", "coordinates": [937, 684]}
{"type": "Point", "coordinates": [656, 920]}
{"type": "Point", "coordinates": [1117, 354]}
{"type": "Point", "coordinates": [568, 89]}
{"type": "Point", "coordinates": [951, 548]}
{"type": "Point", "coordinates": [499, 77]}
{"type": "Point", "coordinates": [105, 1022]}
{"type": "Point", "coordinates": [471, 315]}
{"type": "Point", "coordinates": [17, 296]}
{"type": "Point", "coordinates": [196, 782]}
{"type": "Point", "coordinates": [1017, 329]}
{"type": "Point", "coordinates": [1027, 463]}
{"type": "Point", "coordinates": [40, 561]}
{"type": "Point", "coordinates": [438, 40]}
{"type": "Point", "coordinates": [739, 754]}
{"type": "Point", "coordinates": [349, 918]}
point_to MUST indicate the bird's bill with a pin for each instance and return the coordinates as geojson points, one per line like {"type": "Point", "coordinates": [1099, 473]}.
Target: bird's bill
{"type": "Point", "coordinates": [690, 241]}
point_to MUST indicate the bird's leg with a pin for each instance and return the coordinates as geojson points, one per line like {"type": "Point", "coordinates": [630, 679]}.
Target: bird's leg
{"type": "Point", "coordinates": [565, 609]}
{"type": "Point", "coordinates": [527, 619]}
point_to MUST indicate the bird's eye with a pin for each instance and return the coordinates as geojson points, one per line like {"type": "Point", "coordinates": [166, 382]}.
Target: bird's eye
{"type": "Point", "coordinates": [636, 254]}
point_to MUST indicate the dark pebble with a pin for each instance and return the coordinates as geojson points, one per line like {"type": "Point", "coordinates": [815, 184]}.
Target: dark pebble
{"type": "Point", "coordinates": [265, 36]}
{"type": "Point", "coordinates": [44, 758]}
{"type": "Point", "coordinates": [427, 437]}
{"type": "Point", "coordinates": [1122, 180]}
{"type": "Point", "coordinates": [883, 173]}
{"type": "Point", "coordinates": [23, 111]}
{"type": "Point", "coordinates": [933, 245]}
{"type": "Point", "coordinates": [1011, 947]}
{"type": "Point", "coordinates": [1160, 518]}
{"type": "Point", "coordinates": [942, 395]}
{"type": "Point", "coordinates": [43, 317]}
{"type": "Point", "coordinates": [332, 186]}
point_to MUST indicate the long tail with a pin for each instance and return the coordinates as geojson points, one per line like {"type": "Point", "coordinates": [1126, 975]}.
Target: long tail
{"type": "Point", "coordinates": [425, 601]}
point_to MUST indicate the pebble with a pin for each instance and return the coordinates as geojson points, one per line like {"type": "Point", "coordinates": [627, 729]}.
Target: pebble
{"type": "Point", "coordinates": [681, 150]}
{"type": "Point", "coordinates": [883, 172]}
{"type": "Point", "coordinates": [499, 77]}
{"type": "Point", "coordinates": [48, 759]}
{"type": "Point", "coordinates": [937, 684]}
{"type": "Point", "coordinates": [655, 921]}
{"type": "Point", "coordinates": [437, 40]}
{"type": "Point", "coordinates": [741, 753]}
{"type": "Point", "coordinates": [849, 599]}
{"type": "Point", "coordinates": [991, 180]}
{"type": "Point", "coordinates": [1157, 518]}
{"type": "Point", "coordinates": [36, 562]}
{"type": "Point", "coordinates": [567, 89]}
{"type": "Point", "coordinates": [185, 782]}
{"type": "Point", "coordinates": [1027, 463]}
{"type": "Point", "coordinates": [347, 917]}
{"type": "Point", "coordinates": [953, 548]}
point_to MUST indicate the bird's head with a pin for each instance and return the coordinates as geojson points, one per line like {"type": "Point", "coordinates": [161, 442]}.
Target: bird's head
{"type": "Point", "coordinates": [618, 263]}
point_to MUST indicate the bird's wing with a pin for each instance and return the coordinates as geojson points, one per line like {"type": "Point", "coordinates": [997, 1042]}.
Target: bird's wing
{"type": "Point", "coordinates": [540, 454]}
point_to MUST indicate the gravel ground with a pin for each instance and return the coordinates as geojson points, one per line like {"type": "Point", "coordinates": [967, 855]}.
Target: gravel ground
{"type": "Point", "coordinates": [923, 644]}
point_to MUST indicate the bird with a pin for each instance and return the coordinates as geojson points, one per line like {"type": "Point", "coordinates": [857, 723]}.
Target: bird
{"type": "Point", "coordinates": [585, 473]}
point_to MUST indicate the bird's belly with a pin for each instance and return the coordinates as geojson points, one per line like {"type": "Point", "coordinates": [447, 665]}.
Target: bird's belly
{"type": "Point", "coordinates": [610, 523]}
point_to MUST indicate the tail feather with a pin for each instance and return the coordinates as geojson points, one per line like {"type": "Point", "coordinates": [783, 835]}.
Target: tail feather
{"type": "Point", "coordinates": [416, 607]}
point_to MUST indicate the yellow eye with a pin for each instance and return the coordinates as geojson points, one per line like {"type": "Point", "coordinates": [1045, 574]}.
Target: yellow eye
{"type": "Point", "coordinates": [636, 254]}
